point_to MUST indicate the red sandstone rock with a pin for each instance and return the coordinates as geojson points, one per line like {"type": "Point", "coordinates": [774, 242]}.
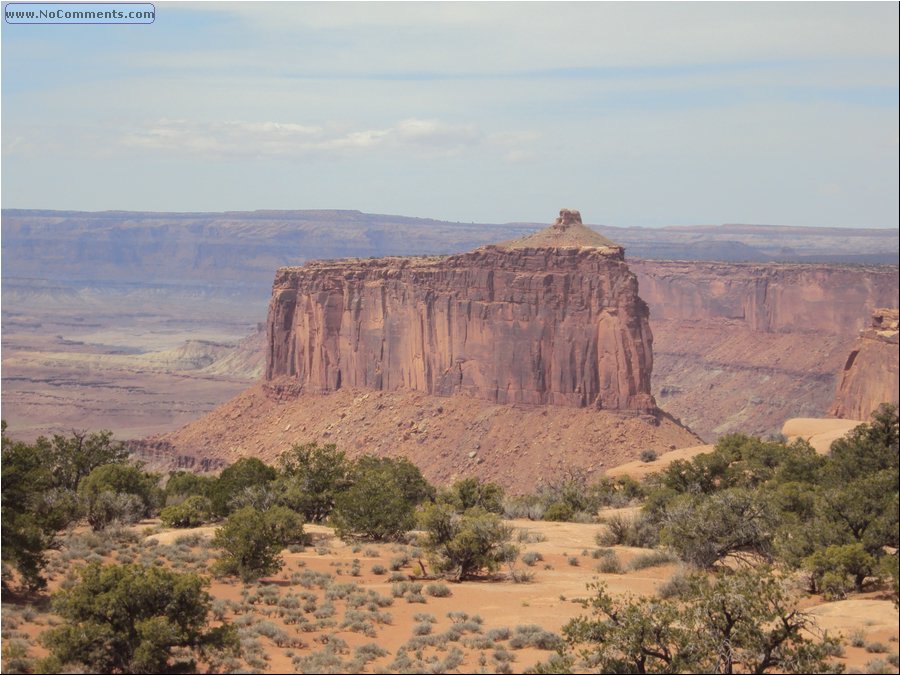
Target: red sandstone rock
{"type": "Point", "coordinates": [510, 323]}
{"type": "Point", "coordinates": [870, 376]}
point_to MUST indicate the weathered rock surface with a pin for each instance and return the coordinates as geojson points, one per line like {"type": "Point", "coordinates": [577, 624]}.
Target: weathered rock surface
{"type": "Point", "coordinates": [520, 322]}
{"type": "Point", "coordinates": [743, 347]}
{"type": "Point", "coordinates": [517, 446]}
{"type": "Point", "coordinates": [870, 374]}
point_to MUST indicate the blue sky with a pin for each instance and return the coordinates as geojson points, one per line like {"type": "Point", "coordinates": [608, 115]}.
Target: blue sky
{"type": "Point", "coordinates": [644, 114]}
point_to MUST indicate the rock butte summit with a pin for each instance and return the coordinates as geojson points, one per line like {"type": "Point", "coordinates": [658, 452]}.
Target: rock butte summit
{"type": "Point", "coordinates": [566, 231]}
{"type": "Point", "coordinates": [551, 318]}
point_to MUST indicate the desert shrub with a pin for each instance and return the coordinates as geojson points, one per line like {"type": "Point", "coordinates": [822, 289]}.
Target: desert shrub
{"type": "Point", "coordinates": [369, 652]}
{"type": "Point", "coordinates": [244, 473]}
{"type": "Point", "coordinates": [192, 512]}
{"type": "Point", "coordinates": [398, 561]}
{"type": "Point", "coordinates": [438, 590]}
{"type": "Point", "coordinates": [536, 637]}
{"type": "Point", "coordinates": [677, 586]}
{"type": "Point", "coordinates": [311, 478]}
{"type": "Point", "coordinates": [651, 559]}
{"type": "Point", "coordinates": [118, 492]}
{"type": "Point", "coordinates": [648, 455]}
{"type": "Point", "coordinates": [559, 512]}
{"type": "Point", "coordinates": [739, 621]}
{"type": "Point", "coordinates": [470, 493]}
{"type": "Point", "coordinates": [463, 545]}
{"type": "Point", "coordinates": [626, 530]}
{"type": "Point", "coordinates": [530, 558]}
{"type": "Point", "coordinates": [376, 506]}
{"type": "Point", "coordinates": [251, 541]}
{"type": "Point", "coordinates": [378, 569]}
{"type": "Point", "coordinates": [526, 506]}
{"type": "Point", "coordinates": [610, 565]}
{"type": "Point", "coordinates": [132, 619]}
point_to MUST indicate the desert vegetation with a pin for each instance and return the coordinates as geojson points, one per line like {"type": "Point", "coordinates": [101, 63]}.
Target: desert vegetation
{"type": "Point", "coordinates": [301, 565]}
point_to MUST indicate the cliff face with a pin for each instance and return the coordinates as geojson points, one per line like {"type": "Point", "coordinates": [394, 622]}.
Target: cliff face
{"type": "Point", "coordinates": [771, 298]}
{"type": "Point", "coordinates": [742, 347]}
{"type": "Point", "coordinates": [507, 324]}
{"type": "Point", "coordinates": [870, 374]}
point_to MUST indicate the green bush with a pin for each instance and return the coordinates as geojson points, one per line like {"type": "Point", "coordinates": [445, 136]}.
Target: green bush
{"type": "Point", "coordinates": [119, 492]}
{"type": "Point", "coordinates": [192, 512]}
{"type": "Point", "coordinates": [739, 622]}
{"type": "Point", "coordinates": [462, 545]}
{"type": "Point", "coordinates": [380, 504]}
{"type": "Point", "coordinates": [648, 455]}
{"type": "Point", "coordinates": [469, 493]}
{"type": "Point", "coordinates": [134, 619]}
{"type": "Point", "coordinates": [244, 473]}
{"type": "Point", "coordinates": [252, 541]}
{"type": "Point", "coordinates": [559, 512]}
{"type": "Point", "coordinates": [835, 570]}
{"type": "Point", "coordinates": [312, 477]}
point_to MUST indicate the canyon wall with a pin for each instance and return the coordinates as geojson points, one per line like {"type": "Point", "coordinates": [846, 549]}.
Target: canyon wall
{"type": "Point", "coordinates": [870, 374]}
{"type": "Point", "coordinates": [506, 324]}
{"type": "Point", "coordinates": [768, 298]}
{"type": "Point", "coordinates": [743, 347]}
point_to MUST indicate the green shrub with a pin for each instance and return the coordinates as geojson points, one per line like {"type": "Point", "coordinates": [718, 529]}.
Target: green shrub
{"type": "Point", "coordinates": [559, 512]}
{"type": "Point", "coordinates": [652, 559]}
{"type": "Point", "coordinates": [133, 619]}
{"type": "Point", "coordinates": [464, 545]}
{"type": "Point", "coordinates": [438, 590]}
{"type": "Point", "coordinates": [192, 512]}
{"type": "Point", "coordinates": [530, 558]}
{"type": "Point", "coordinates": [470, 493]}
{"type": "Point", "coordinates": [610, 565]}
{"type": "Point", "coordinates": [251, 541]}
{"type": "Point", "coordinates": [648, 455]}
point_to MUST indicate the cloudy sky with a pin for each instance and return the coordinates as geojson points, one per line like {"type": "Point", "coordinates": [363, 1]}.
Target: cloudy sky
{"type": "Point", "coordinates": [636, 113]}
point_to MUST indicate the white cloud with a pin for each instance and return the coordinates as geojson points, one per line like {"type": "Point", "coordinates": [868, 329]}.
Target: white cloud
{"type": "Point", "coordinates": [291, 140]}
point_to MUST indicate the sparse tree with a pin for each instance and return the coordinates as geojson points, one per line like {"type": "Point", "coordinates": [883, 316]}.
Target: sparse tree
{"type": "Point", "coordinates": [462, 545]}
{"type": "Point", "coordinates": [311, 478]}
{"type": "Point", "coordinates": [134, 619]}
{"type": "Point", "coordinates": [252, 541]}
{"type": "Point", "coordinates": [471, 492]}
{"type": "Point", "coordinates": [244, 473]}
{"type": "Point", "coordinates": [381, 503]}
{"type": "Point", "coordinates": [118, 492]}
{"type": "Point", "coordinates": [742, 621]}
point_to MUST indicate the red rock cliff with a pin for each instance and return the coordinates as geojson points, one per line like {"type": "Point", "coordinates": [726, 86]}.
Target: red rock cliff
{"type": "Point", "coordinates": [870, 375]}
{"type": "Point", "coordinates": [554, 318]}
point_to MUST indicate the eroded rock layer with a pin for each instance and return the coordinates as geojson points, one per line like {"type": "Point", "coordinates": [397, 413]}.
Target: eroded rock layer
{"type": "Point", "coordinates": [742, 347]}
{"type": "Point", "coordinates": [506, 324]}
{"type": "Point", "coordinates": [870, 374]}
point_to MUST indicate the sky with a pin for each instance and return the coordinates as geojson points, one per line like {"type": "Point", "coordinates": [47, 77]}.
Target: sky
{"type": "Point", "coordinates": [638, 114]}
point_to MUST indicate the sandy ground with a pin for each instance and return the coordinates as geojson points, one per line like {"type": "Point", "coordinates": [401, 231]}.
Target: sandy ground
{"type": "Point", "coordinates": [638, 469]}
{"type": "Point", "coordinates": [549, 600]}
{"type": "Point", "coordinates": [819, 432]}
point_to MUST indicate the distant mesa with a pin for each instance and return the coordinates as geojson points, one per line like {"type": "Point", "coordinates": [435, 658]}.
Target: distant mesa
{"type": "Point", "coordinates": [551, 318]}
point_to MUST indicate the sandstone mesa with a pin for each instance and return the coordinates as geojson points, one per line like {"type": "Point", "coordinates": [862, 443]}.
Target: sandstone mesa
{"type": "Point", "coordinates": [551, 318]}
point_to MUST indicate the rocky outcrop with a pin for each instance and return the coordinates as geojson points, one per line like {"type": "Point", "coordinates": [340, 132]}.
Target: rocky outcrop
{"type": "Point", "coordinates": [554, 318]}
{"type": "Point", "coordinates": [742, 347]}
{"type": "Point", "coordinates": [870, 374]}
